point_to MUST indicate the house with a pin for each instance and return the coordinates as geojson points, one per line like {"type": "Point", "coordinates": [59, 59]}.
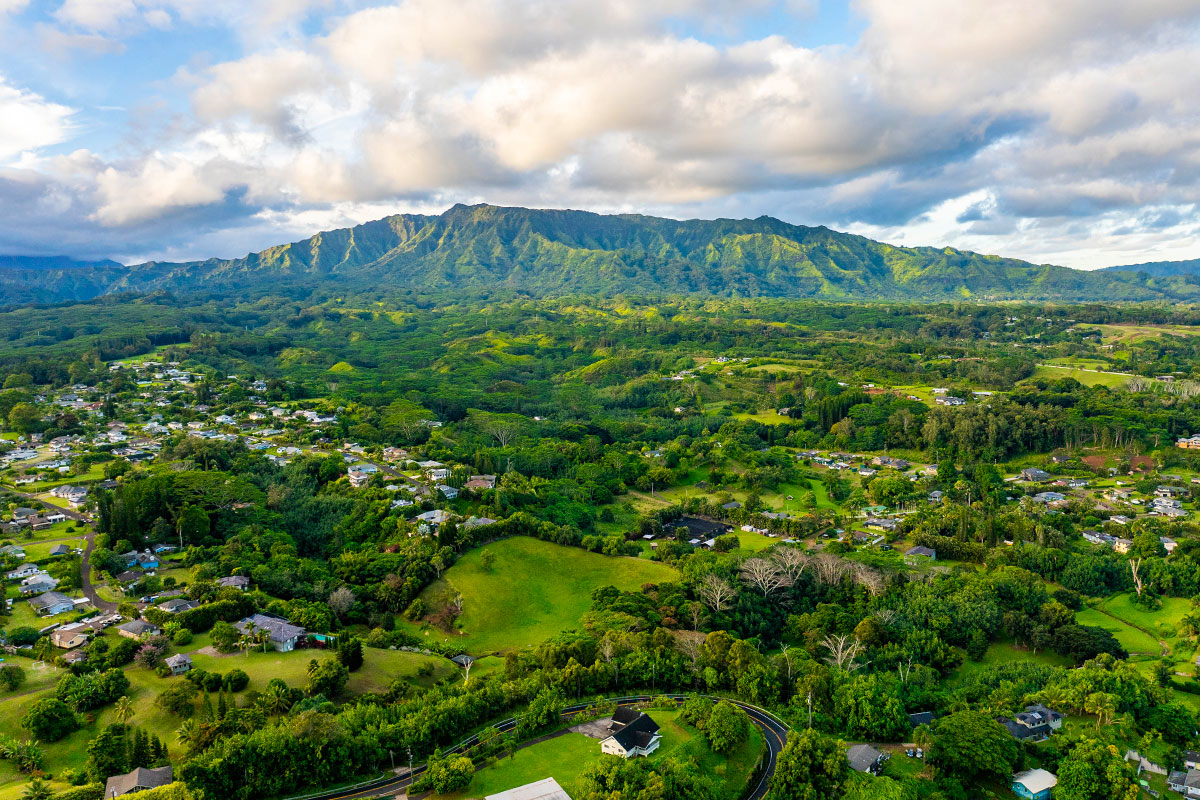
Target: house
{"type": "Point", "coordinates": [51, 603]}
{"type": "Point", "coordinates": [177, 606]}
{"type": "Point", "coordinates": [913, 553]}
{"type": "Point", "coordinates": [138, 629]}
{"type": "Point", "coordinates": [68, 637]}
{"type": "Point", "coordinates": [23, 571]}
{"type": "Point", "coordinates": [283, 634]}
{"type": "Point", "coordinates": [699, 528]}
{"type": "Point", "coordinates": [1034, 784]}
{"type": "Point", "coordinates": [732, 505]}
{"type": "Point", "coordinates": [545, 789]}
{"type": "Point", "coordinates": [1034, 475]}
{"type": "Point", "coordinates": [864, 758]}
{"type": "Point", "coordinates": [921, 718]}
{"type": "Point", "coordinates": [74, 656]}
{"type": "Point", "coordinates": [449, 492]}
{"type": "Point", "coordinates": [60, 550]}
{"type": "Point", "coordinates": [139, 780]}
{"type": "Point", "coordinates": [937, 496]}
{"type": "Point", "coordinates": [179, 663]}
{"type": "Point", "coordinates": [480, 482]}
{"type": "Point", "coordinates": [1122, 545]}
{"type": "Point", "coordinates": [880, 524]}
{"type": "Point", "coordinates": [949, 400]}
{"type": "Point", "coordinates": [1035, 723]}
{"type": "Point", "coordinates": [129, 576]}
{"type": "Point", "coordinates": [1186, 783]}
{"type": "Point", "coordinates": [12, 551]}
{"type": "Point", "coordinates": [240, 582]}
{"type": "Point", "coordinates": [37, 584]}
{"type": "Point", "coordinates": [435, 517]}
{"type": "Point", "coordinates": [1049, 497]}
{"type": "Point", "coordinates": [636, 735]}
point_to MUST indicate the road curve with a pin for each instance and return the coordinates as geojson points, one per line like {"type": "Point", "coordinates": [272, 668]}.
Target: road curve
{"type": "Point", "coordinates": [774, 730]}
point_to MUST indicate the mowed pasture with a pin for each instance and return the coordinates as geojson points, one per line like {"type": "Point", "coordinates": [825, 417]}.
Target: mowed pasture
{"type": "Point", "coordinates": [1137, 642]}
{"type": "Point", "coordinates": [1085, 376]}
{"type": "Point", "coordinates": [565, 758]}
{"type": "Point", "coordinates": [533, 591]}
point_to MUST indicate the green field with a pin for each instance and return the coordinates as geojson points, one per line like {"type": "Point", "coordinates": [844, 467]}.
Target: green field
{"type": "Point", "coordinates": [1132, 639]}
{"type": "Point", "coordinates": [1164, 622]}
{"type": "Point", "coordinates": [533, 591]}
{"type": "Point", "coordinates": [565, 757]}
{"type": "Point", "coordinates": [1086, 377]}
{"type": "Point", "coordinates": [1006, 653]}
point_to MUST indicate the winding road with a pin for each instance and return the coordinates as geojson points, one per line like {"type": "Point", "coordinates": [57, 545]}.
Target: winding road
{"type": "Point", "coordinates": [774, 730]}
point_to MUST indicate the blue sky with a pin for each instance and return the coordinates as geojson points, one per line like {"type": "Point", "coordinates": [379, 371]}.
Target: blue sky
{"type": "Point", "coordinates": [174, 129]}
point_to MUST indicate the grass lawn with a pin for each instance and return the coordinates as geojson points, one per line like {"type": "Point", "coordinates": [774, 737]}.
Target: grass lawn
{"type": "Point", "coordinates": [1132, 639]}
{"type": "Point", "coordinates": [765, 417]}
{"type": "Point", "coordinates": [1086, 377]}
{"type": "Point", "coordinates": [533, 591]}
{"type": "Point", "coordinates": [1006, 653]}
{"type": "Point", "coordinates": [565, 757]}
{"type": "Point", "coordinates": [1164, 621]}
{"type": "Point", "coordinates": [37, 551]}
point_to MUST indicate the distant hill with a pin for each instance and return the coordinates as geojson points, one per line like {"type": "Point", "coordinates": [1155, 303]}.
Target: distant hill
{"type": "Point", "coordinates": [547, 252]}
{"type": "Point", "coordinates": [1161, 268]}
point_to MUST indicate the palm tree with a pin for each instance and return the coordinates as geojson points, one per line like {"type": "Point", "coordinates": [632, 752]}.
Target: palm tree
{"type": "Point", "coordinates": [123, 710]}
{"type": "Point", "coordinates": [37, 789]}
{"type": "Point", "coordinates": [276, 699]}
{"type": "Point", "coordinates": [1191, 625]}
{"type": "Point", "coordinates": [188, 732]}
{"type": "Point", "coordinates": [1102, 704]}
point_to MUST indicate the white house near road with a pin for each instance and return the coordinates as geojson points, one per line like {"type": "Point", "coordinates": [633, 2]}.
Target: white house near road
{"type": "Point", "coordinates": [635, 734]}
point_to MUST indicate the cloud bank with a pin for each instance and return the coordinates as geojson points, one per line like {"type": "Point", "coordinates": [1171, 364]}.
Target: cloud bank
{"type": "Point", "coordinates": [1063, 132]}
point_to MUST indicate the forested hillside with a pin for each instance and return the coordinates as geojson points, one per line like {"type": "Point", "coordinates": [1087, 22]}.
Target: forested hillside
{"type": "Point", "coordinates": [474, 250]}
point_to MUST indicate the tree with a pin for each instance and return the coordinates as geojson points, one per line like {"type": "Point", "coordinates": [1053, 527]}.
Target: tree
{"type": "Point", "coordinates": [487, 559]}
{"type": "Point", "coordinates": [37, 789]}
{"type": "Point", "coordinates": [726, 727]}
{"type": "Point", "coordinates": [341, 601]}
{"type": "Point", "coordinates": [1095, 771]}
{"type": "Point", "coordinates": [11, 677]}
{"type": "Point", "coordinates": [1102, 704]}
{"type": "Point", "coordinates": [225, 636]}
{"type": "Point", "coordinates": [23, 417]}
{"type": "Point", "coordinates": [177, 698]}
{"type": "Point", "coordinates": [49, 720]}
{"type": "Point", "coordinates": [843, 651]}
{"type": "Point", "coordinates": [350, 653]}
{"type": "Point", "coordinates": [765, 575]}
{"type": "Point", "coordinates": [123, 710]}
{"type": "Point", "coordinates": [973, 747]}
{"type": "Point", "coordinates": [716, 593]}
{"type": "Point", "coordinates": [812, 766]}
{"type": "Point", "coordinates": [326, 678]}
{"type": "Point", "coordinates": [193, 524]}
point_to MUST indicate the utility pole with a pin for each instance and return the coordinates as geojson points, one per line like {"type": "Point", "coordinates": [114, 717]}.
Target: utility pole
{"type": "Point", "coordinates": [810, 709]}
{"type": "Point", "coordinates": [392, 756]}
{"type": "Point", "coordinates": [410, 763]}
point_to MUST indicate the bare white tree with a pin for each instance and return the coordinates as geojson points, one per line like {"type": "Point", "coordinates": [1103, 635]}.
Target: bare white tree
{"type": "Point", "coordinates": [870, 579]}
{"type": "Point", "coordinates": [341, 600]}
{"type": "Point", "coordinates": [1135, 564]}
{"type": "Point", "coordinates": [792, 561]}
{"type": "Point", "coordinates": [843, 651]}
{"type": "Point", "coordinates": [716, 593]}
{"type": "Point", "coordinates": [829, 568]}
{"type": "Point", "coordinates": [456, 603]}
{"type": "Point", "coordinates": [765, 575]}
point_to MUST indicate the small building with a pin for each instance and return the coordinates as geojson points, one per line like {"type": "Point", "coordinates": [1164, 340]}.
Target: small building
{"type": "Point", "coordinates": [545, 789]}
{"type": "Point", "coordinates": [138, 629]}
{"type": "Point", "coordinates": [1034, 475]}
{"type": "Point", "coordinates": [179, 663]}
{"type": "Point", "coordinates": [240, 582]}
{"type": "Point", "coordinates": [1034, 784]}
{"type": "Point", "coordinates": [637, 737]}
{"type": "Point", "coordinates": [1186, 783]}
{"type": "Point", "coordinates": [177, 605]}
{"type": "Point", "coordinates": [68, 637]}
{"type": "Point", "coordinates": [864, 758]}
{"type": "Point", "coordinates": [284, 636]}
{"type": "Point", "coordinates": [139, 780]}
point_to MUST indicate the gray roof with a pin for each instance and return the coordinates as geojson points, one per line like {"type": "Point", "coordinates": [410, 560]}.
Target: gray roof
{"type": "Point", "coordinates": [49, 599]}
{"type": "Point", "coordinates": [137, 627]}
{"type": "Point", "coordinates": [280, 629]}
{"type": "Point", "coordinates": [863, 757]}
{"type": "Point", "coordinates": [140, 778]}
{"type": "Point", "coordinates": [179, 659]}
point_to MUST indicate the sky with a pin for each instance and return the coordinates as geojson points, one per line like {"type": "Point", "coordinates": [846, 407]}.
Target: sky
{"type": "Point", "coordinates": [1063, 132]}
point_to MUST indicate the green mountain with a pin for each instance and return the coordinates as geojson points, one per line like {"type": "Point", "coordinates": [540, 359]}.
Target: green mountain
{"type": "Point", "coordinates": [1161, 268]}
{"type": "Point", "coordinates": [483, 248]}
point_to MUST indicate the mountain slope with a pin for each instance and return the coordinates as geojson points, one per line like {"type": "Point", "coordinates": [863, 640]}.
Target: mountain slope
{"type": "Point", "coordinates": [474, 249]}
{"type": "Point", "coordinates": [1161, 268]}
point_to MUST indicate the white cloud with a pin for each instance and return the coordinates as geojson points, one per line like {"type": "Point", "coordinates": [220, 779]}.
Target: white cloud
{"type": "Point", "coordinates": [29, 121]}
{"type": "Point", "coordinates": [999, 125]}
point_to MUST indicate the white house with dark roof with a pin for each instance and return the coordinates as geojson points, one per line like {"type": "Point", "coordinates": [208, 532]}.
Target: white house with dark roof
{"type": "Point", "coordinates": [283, 634]}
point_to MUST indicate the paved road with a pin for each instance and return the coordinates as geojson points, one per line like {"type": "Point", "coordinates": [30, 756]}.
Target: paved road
{"type": "Point", "coordinates": [85, 577]}
{"type": "Point", "coordinates": [774, 732]}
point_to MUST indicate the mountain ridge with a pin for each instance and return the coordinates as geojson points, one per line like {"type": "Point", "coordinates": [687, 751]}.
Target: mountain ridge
{"type": "Point", "coordinates": [484, 248]}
